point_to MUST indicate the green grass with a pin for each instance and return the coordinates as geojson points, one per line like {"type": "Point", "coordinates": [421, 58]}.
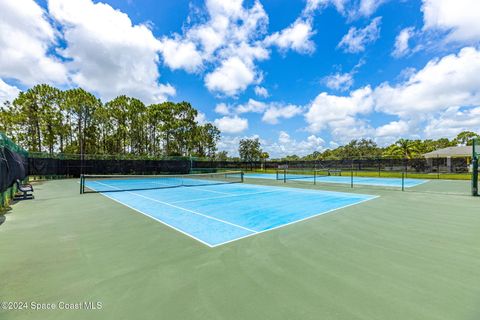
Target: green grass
{"type": "Point", "coordinates": [404, 255]}
{"type": "Point", "coordinates": [393, 174]}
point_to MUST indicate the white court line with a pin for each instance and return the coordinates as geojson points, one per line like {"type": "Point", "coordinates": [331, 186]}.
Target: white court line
{"type": "Point", "coordinates": [203, 189]}
{"type": "Point", "coordinates": [194, 187]}
{"type": "Point", "coordinates": [379, 184]}
{"type": "Point", "coordinates": [293, 222]}
{"type": "Point", "coordinates": [194, 212]}
{"type": "Point", "coordinates": [228, 196]}
{"type": "Point", "coordinates": [184, 209]}
{"type": "Point", "coordinates": [418, 184]}
{"type": "Point", "coordinates": [158, 220]}
{"type": "Point", "coordinates": [313, 191]}
{"type": "Point", "coordinates": [254, 232]}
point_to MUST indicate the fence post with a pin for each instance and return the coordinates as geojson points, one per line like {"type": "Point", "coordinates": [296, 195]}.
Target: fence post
{"type": "Point", "coordinates": [81, 183]}
{"type": "Point", "coordinates": [438, 168]}
{"type": "Point", "coordinates": [474, 168]}
{"type": "Point", "coordinates": [379, 166]}
{"type": "Point", "coordinates": [475, 177]}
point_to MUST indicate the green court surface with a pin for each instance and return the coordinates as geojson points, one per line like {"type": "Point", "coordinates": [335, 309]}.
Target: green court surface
{"type": "Point", "coordinates": [404, 255]}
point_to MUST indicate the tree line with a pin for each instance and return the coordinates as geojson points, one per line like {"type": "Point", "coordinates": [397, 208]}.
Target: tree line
{"type": "Point", "coordinates": [251, 150]}
{"type": "Point", "coordinates": [402, 148]}
{"type": "Point", "coordinates": [47, 119]}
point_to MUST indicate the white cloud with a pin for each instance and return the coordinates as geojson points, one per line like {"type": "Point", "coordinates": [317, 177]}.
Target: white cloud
{"type": "Point", "coordinates": [222, 108]}
{"type": "Point", "coordinates": [201, 118]}
{"type": "Point", "coordinates": [392, 129]}
{"type": "Point", "coordinates": [109, 55]}
{"type": "Point", "coordinates": [231, 8]}
{"type": "Point", "coordinates": [295, 37]}
{"type": "Point", "coordinates": [227, 39]}
{"type": "Point", "coordinates": [280, 147]}
{"type": "Point", "coordinates": [251, 106]}
{"type": "Point", "coordinates": [333, 145]}
{"type": "Point", "coordinates": [261, 92]}
{"type": "Point", "coordinates": [286, 145]}
{"type": "Point", "coordinates": [273, 113]}
{"type": "Point", "coordinates": [441, 99]}
{"type": "Point", "coordinates": [230, 143]}
{"type": "Point", "coordinates": [26, 37]}
{"type": "Point", "coordinates": [351, 8]}
{"type": "Point", "coordinates": [342, 81]}
{"type": "Point", "coordinates": [341, 115]}
{"type": "Point", "coordinates": [181, 55]}
{"type": "Point", "coordinates": [232, 77]}
{"type": "Point", "coordinates": [459, 18]}
{"type": "Point", "coordinates": [313, 5]}
{"type": "Point", "coordinates": [368, 7]}
{"type": "Point", "coordinates": [447, 82]}
{"type": "Point", "coordinates": [401, 42]}
{"type": "Point", "coordinates": [356, 39]}
{"type": "Point", "coordinates": [338, 111]}
{"type": "Point", "coordinates": [7, 92]}
{"type": "Point", "coordinates": [349, 128]}
{"type": "Point", "coordinates": [231, 124]}
{"type": "Point", "coordinates": [339, 81]}
{"type": "Point", "coordinates": [453, 121]}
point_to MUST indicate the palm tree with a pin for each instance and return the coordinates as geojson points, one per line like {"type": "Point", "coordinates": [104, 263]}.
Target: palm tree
{"type": "Point", "coordinates": [405, 148]}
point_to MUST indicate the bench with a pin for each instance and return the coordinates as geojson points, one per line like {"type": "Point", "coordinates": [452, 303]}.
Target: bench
{"type": "Point", "coordinates": [334, 172]}
{"type": "Point", "coordinates": [25, 190]}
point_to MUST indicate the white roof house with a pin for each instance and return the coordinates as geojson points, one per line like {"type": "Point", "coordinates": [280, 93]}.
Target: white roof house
{"type": "Point", "coordinates": [450, 152]}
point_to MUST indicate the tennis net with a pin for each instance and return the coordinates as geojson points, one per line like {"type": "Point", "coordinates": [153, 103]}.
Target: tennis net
{"type": "Point", "coordinates": [112, 183]}
{"type": "Point", "coordinates": [292, 174]}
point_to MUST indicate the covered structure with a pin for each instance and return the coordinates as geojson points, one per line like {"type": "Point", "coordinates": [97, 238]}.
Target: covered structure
{"type": "Point", "coordinates": [464, 152]}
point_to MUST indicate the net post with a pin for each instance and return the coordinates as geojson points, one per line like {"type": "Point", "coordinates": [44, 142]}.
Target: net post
{"type": "Point", "coordinates": [351, 178]}
{"type": "Point", "coordinates": [314, 176]}
{"type": "Point", "coordinates": [242, 176]}
{"type": "Point", "coordinates": [474, 168]}
{"type": "Point", "coordinates": [403, 181]}
{"type": "Point", "coordinates": [284, 175]}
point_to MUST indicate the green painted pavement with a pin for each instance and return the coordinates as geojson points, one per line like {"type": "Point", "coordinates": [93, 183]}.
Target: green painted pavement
{"type": "Point", "coordinates": [405, 255]}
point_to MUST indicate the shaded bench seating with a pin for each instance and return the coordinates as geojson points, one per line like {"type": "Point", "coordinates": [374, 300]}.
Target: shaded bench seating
{"type": "Point", "coordinates": [25, 190]}
{"type": "Point", "coordinates": [334, 172]}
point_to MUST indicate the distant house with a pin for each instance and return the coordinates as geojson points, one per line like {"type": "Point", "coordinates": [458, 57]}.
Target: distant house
{"type": "Point", "coordinates": [461, 152]}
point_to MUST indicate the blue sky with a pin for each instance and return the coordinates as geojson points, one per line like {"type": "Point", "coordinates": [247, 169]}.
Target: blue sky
{"type": "Point", "coordinates": [301, 75]}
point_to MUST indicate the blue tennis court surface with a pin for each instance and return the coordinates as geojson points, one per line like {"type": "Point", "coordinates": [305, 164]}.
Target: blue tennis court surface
{"type": "Point", "coordinates": [221, 213]}
{"type": "Point", "coordinates": [385, 182]}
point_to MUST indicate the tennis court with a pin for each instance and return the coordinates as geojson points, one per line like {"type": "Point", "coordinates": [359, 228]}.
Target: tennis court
{"type": "Point", "coordinates": [368, 181]}
{"type": "Point", "coordinates": [403, 255]}
{"type": "Point", "coordinates": [216, 209]}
